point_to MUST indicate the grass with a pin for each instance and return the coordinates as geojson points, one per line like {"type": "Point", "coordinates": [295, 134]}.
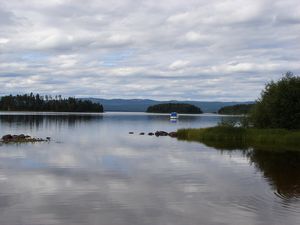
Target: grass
{"type": "Point", "coordinates": [223, 137]}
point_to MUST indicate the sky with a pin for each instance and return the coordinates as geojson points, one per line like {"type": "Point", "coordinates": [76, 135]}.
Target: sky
{"type": "Point", "coordinates": [217, 50]}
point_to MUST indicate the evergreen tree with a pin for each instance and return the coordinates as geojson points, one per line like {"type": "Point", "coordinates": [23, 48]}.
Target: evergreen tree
{"type": "Point", "coordinates": [36, 102]}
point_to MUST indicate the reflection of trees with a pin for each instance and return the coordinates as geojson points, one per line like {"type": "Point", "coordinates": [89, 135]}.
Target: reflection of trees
{"type": "Point", "coordinates": [282, 169]}
{"type": "Point", "coordinates": [44, 120]}
{"type": "Point", "coordinates": [226, 145]}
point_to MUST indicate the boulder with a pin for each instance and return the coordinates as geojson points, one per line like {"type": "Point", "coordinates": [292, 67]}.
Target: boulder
{"type": "Point", "coordinates": [150, 134]}
{"type": "Point", "coordinates": [142, 133]}
{"type": "Point", "coordinates": [161, 133]}
{"type": "Point", "coordinates": [173, 134]}
{"type": "Point", "coordinates": [7, 137]}
{"type": "Point", "coordinates": [21, 138]}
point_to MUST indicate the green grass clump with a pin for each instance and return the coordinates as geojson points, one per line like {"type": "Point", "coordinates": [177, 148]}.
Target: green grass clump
{"type": "Point", "coordinates": [237, 137]}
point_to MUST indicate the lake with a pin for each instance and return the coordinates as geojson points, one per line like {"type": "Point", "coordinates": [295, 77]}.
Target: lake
{"type": "Point", "coordinates": [94, 172]}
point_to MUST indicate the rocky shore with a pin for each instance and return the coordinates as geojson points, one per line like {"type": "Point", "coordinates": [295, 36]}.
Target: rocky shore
{"type": "Point", "coordinates": [21, 138]}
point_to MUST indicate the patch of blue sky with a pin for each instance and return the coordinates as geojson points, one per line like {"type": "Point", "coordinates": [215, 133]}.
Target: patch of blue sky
{"type": "Point", "coordinates": [116, 58]}
{"type": "Point", "coordinates": [35, 56]}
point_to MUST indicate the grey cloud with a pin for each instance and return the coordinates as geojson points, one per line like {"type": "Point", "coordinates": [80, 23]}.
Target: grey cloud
{"type": "Point", "coordinates": [167, 49]}
{"type": "Point", "coordinates": [7, 18]}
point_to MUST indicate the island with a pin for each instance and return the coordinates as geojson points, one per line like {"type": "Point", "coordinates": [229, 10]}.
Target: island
{"type": "Point", "coordinates": [239, 109]}
{"type": "Point", "coordinates": [174, 107]}
{"type": "Point", "coordinates": [38, 103]}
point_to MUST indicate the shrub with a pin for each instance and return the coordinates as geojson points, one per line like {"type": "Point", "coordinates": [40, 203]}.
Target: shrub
{"type": "Point", "coordinates": [279, 104]}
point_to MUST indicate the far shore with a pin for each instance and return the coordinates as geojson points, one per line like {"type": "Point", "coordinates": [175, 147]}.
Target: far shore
{"type": "Point", "coordinates": [107, 112]}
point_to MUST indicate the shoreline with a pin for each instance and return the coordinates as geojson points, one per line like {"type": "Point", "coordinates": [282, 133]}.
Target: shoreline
{"type": "Point", "coordinates": [243, 138]}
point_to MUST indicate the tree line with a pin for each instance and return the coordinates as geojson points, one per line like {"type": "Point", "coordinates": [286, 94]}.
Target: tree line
{"type": "Point", "coordinates": [174, 107]}
{"type": "Point", "coordinates": [31, 102]}
{"type": "Point", "coordinates": [240, 109]}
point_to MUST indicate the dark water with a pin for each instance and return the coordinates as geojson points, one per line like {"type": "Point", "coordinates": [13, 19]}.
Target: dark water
{"type": "Point", "coordinates": [94, 172]}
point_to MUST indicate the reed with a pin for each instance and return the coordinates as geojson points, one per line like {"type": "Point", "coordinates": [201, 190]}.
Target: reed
{"type": "Point", "coordinates": [237, 137]}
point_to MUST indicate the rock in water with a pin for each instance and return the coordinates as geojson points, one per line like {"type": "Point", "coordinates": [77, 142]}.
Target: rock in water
{"type": "Point", "coordinates": [173, 134]}
{"type": "Point", "coordinates": [21, 138]}
{"type": "Point", "coordinates": [161, 133]}
{"type": "Point", "coordinates": [7, 137]}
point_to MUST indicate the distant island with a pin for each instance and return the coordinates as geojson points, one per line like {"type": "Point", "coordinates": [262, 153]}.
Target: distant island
{"type": "Point", "coordinates": [240, 109]}
{"type": "Point", "coordinates": [31, 102]}
{"type": "Point", "coordinates": [174, 107]}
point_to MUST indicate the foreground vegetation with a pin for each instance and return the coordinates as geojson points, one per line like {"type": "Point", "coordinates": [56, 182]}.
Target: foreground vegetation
{"type": "Point", "coordinates": [174, 107]}
{"type": "Point", "coordinates": [47, 104]}
{"type": "Point", "coordinates": [279, 104]}
{"type": "Point", "coordinates": [240, 109]}
{"type": "Point", "coordinates": [223, 137]}
{"type": "Point", "coordinates": [273, 122]}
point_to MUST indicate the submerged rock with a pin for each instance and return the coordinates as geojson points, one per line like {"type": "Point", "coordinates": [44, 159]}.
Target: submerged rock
{"type": "Point", "coordinates": [131, 132]}
{"type": "Point", "coordinates": [142, 133]}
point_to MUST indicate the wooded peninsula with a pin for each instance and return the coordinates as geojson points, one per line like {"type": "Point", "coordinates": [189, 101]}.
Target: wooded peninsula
{"type": "Point", "coordinates": [38, 103]}
{"type": "Point", "coordinates": [272, 123]}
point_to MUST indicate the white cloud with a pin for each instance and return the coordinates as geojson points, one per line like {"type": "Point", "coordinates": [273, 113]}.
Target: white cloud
{"type": "Point", "coordinates": [178, 18]}
{"type": "Point", "coordinates": [148, 48]}
{"type": "Point", "coordinates": [179, 64]}
{"type": "Point", "coordinates": [4, 41]}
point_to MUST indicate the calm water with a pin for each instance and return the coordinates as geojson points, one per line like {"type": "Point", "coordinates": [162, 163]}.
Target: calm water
{"type": "Point", "coordinates": [94, 172]}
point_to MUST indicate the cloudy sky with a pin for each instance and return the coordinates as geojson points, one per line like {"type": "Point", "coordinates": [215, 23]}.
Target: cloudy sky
{"type": "Point", "coordinates": [166, 49]}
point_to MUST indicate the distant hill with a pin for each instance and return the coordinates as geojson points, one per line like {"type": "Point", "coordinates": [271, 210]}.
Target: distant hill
{"type": "Point", "coordinates": [141, 105]}
{"type": "Point", "coordinates": [174, 107]}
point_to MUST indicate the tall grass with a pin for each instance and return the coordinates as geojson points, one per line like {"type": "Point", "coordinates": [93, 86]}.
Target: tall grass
{"type": "Point", "coordinates": [237, 137]}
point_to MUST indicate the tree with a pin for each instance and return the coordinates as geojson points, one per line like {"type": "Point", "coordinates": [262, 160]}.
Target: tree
{"type": "Point", "coordinates": [279, 104]}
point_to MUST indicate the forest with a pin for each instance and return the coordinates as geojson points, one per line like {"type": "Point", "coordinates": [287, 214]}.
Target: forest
{"type": "Point", "coordinates": [39, 103]}
{"type": "Point", "coordinates": [174, 107]}
{"type": "Point", "coordinates": [240, 109]}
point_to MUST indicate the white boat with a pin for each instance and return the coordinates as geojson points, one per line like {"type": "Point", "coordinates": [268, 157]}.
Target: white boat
{"type": "Point", "coordinates": [173, 115]}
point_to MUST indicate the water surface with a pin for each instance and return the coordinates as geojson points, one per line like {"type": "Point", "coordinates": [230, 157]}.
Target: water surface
{"type": "Point", "coordinates": [94, 172]}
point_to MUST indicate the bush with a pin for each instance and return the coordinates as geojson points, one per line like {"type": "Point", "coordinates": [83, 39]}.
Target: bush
{"type": "Point", "coordinates": [279, 104]}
